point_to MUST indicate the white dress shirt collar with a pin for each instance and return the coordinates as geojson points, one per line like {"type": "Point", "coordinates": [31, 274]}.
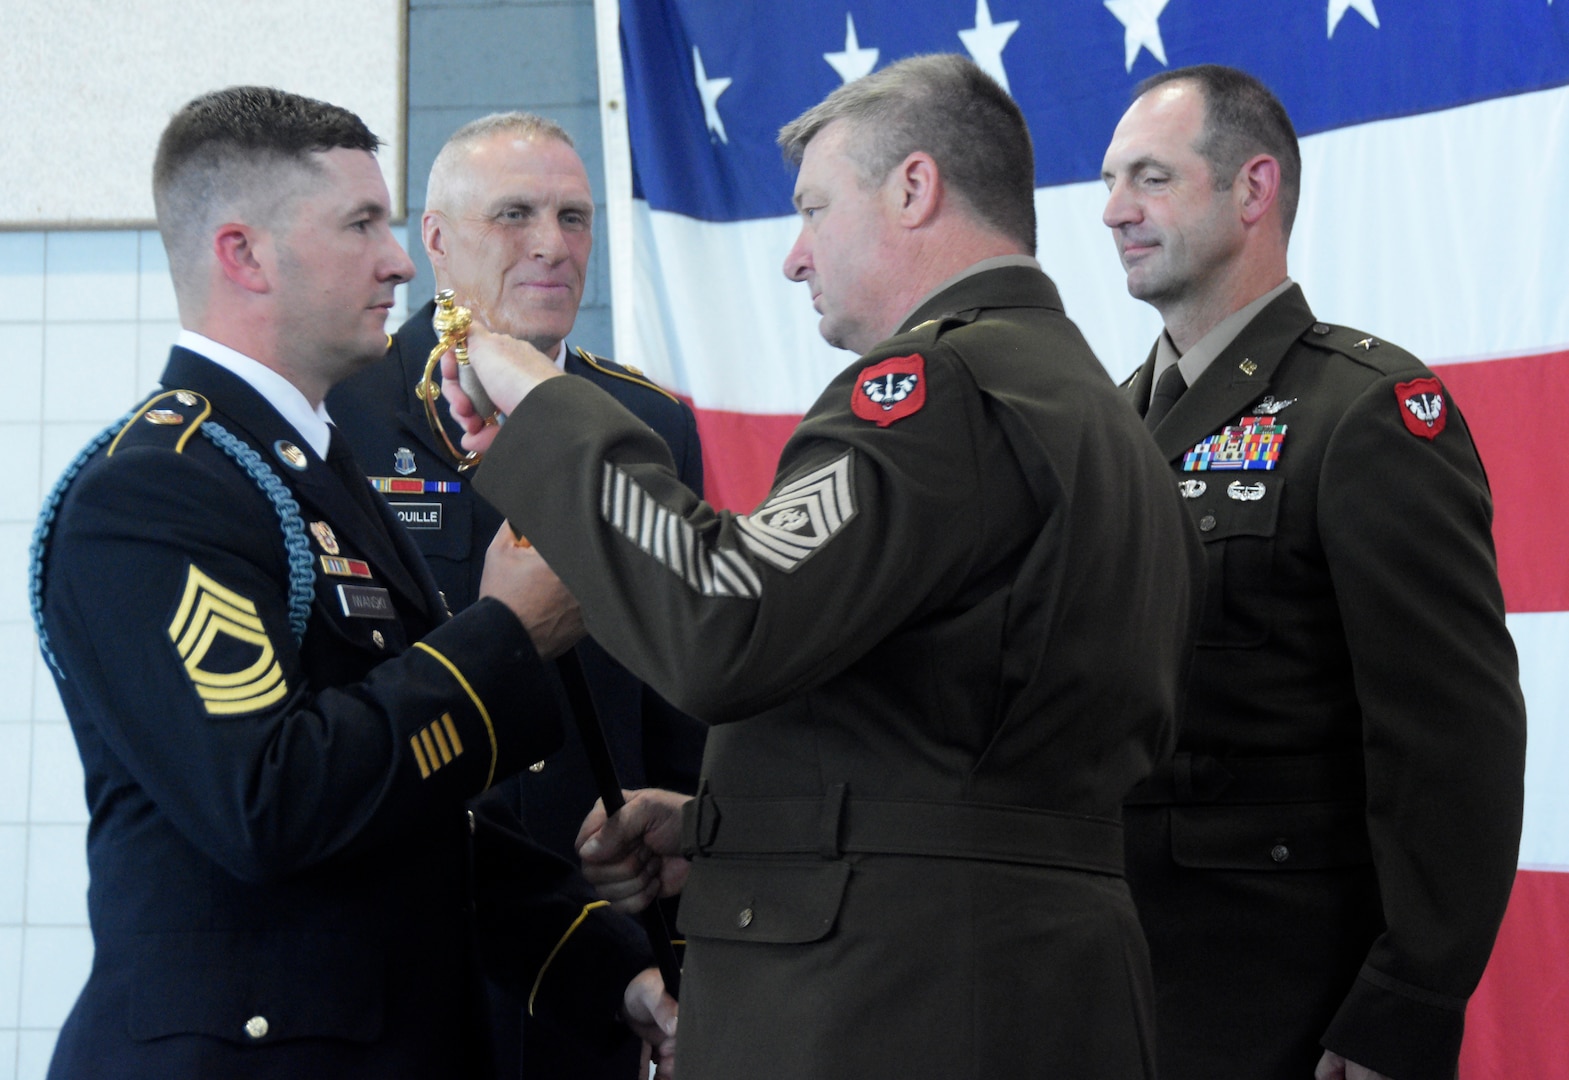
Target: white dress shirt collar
{"type": "Point", "coordinates": [312, 424]}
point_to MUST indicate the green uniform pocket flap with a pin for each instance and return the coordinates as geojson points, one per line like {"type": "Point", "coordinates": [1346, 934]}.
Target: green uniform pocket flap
{"type": "Point", "coordinates": [1233, 504]}
{"type": "Point", "coordinates": [1277, 837]}
{"type": "Point", "coordinates": [779, 903]}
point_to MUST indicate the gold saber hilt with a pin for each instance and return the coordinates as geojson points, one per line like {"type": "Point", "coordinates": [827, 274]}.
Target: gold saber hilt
{"type": "Point", "coordinates": [451, 322]}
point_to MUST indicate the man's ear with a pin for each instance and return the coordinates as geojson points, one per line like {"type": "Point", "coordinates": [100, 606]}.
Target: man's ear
{"type": "Point", "coordinates": [433, 231]}
{"type": "Point", "coordinates": [237, 248]}
{"type": "Point", "coordinates": [916, 189]}
{"type": "Point", "coordinates": [1258, 187]}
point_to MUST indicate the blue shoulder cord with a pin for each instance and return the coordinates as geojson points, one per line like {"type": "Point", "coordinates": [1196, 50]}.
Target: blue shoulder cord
{"type": "Point", "coordinates": [302, 572]}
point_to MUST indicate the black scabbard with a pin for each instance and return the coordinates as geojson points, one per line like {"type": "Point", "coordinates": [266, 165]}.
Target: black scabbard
{"type": "Point", "coordinates": [604, 769]}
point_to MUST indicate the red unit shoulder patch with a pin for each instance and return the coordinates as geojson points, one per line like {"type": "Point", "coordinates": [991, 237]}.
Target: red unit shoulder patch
{"type": "Point", "coordinates": [890, 389]}
{"type": "Point", "coordinates": [1422, 406]}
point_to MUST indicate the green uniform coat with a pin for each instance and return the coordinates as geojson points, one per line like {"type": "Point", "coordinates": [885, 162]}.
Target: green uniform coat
{"type": "Point", "coordinates": [1329, 856]}
{"type": "Point", "coordinates": [926, 659]}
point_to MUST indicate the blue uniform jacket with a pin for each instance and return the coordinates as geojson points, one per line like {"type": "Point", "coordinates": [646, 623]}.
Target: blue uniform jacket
{"type": "Point", "coordinates": [280, 728]}
{"type": "Point", "coordinates": [652, 743]}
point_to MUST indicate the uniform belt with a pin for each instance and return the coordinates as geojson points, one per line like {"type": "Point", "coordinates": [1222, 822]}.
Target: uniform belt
{"type": "Point", "coordinates": [1200, 778]}
{"type": "Point", "coordinates": [835, 824]}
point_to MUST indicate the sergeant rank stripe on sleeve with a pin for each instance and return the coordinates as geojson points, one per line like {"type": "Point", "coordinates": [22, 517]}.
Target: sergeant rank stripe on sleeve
{"type": "Point", "coordinates": [705, 566]}
{"type": "Point", "coordinates": [800, 516]}
{"type": "Point", "coordinates": [224, 648]}
{"type": "Point", "coordinates": [435, 745]}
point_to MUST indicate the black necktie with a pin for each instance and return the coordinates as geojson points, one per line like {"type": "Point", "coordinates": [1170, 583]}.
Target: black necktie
{"type": "Point", "coordinates": [1170, 387]}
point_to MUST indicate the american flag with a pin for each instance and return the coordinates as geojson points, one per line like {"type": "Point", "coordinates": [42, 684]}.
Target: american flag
{"type": "Point", "coordinates": [1435, 139]}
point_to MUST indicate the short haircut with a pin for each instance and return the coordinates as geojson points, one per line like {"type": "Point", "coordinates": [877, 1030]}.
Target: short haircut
{"type": "Point", "coordinates": [522, 125]}
{"type": "Point", "coordinates": [241, 152]}
{"type": "Point", "coordinates": [1241, 118]}
{"type": "Point", "coordinates": [948, 107]}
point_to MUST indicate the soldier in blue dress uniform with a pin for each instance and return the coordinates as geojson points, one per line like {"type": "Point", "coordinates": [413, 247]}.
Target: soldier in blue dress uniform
{"type": "Point", "coordinates": [508, 225]}
{"type": "Point", "coordinates": [279, 725]}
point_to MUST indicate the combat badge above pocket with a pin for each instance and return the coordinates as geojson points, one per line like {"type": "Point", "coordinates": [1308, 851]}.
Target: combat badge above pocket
{"type": "Point", "coordinates": [777, 903]}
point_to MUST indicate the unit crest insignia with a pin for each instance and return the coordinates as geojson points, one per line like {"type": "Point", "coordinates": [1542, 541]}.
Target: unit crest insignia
{"type": "Point", "coordinates": [403, 461]}
{"type": "Point", "coordinates": [325, 537]}
{"type": "Point", "coordinates": [1422, 407]}
{"type": "Point", "coordinates": [890, 390]}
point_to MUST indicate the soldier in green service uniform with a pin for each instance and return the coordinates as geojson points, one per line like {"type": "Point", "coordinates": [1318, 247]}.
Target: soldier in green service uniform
{"type": "Point", "coordinates": [1323, 867]}
{"type": "Point", "coordinates": [935, 658]}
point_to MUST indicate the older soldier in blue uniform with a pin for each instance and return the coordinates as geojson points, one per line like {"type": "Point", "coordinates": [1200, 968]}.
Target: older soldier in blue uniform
{"type": "Point", "coordinates": [508, 226]}
{"type": "Point", "coordinates": [278, 723]}
{"type": "Point", "coordinates": [1323, 867]}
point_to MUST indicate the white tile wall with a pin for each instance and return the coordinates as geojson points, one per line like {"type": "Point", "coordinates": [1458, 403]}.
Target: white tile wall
{"type": "Point", "coordinates": [16, 758]}
{"type": "Point", "coordinates": [13, 885]}
{"type": "Point", "coordinates": [22, 276]}
{"type": "Point", "coordinates": [11, 985]}
{"type": "Point", "coordinates": [22, 351]}
{"type": "Point", "coordinates": [33, 1051]}
{"type": "Point", "coordinates": [57, 796]}
{"type": "Point", "coordinates": [85, 326]}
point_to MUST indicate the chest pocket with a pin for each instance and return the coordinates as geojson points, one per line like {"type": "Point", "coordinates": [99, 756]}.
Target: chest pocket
{"type": "Point", "coordinates": [1236, 517]}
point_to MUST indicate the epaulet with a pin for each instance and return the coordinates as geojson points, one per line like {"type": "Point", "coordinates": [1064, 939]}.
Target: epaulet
{"type": "Point", "coordinates": [623, 371]}
{"type": "Point", "coordinates": [932, 329]}
{"type": "Point", "coordinates": [166, 420]}
{"type": "Point", "coordinates": [1361, 347]}
{"type": "Point", "coordinates": [169, 420]}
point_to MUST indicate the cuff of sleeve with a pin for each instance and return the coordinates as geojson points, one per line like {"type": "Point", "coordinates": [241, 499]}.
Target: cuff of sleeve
{"type": "Point", "coordinates": [507, 694]}
{"type": "Point", "coordinates": [1398, 1029]}
{"type": "Point", "coordinates": [581, 984]}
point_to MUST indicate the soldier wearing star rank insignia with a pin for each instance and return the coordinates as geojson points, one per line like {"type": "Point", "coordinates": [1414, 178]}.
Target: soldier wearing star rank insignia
{"type": "Point", "coordinates": [923, 656]}
{"type": "Point", "coordinates": [279, 726]}
{"type": "Point", "coordinates": [1322, 869]}
{"type": "Point", "coordinates": [508, 224]}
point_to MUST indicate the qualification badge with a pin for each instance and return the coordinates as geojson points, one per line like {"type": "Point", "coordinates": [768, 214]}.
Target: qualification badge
{"type": "Point", "coordinates": [325, 537]}
{"type": "Point", "coordinates": [1252, 443]}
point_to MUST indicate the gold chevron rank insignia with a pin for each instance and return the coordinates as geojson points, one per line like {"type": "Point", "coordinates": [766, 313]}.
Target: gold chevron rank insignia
{"type": "Point", "coordinates": [225, 649]}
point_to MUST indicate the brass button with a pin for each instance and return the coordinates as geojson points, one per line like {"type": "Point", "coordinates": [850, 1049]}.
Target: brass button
{"type": "Point", "coordinates": [744, 919]}
{"type": "Point", "coordinates": [381, 642]}
{"type": "Point", "coordinates": [1207, 523]}
{"type": "Point", "coordinates": [256, 1027]}
{"type": "Point", "coordinates": [1280, 853]}
{"type": "Point", "coordinates": [1320, 328]}
{"type": "Point", "coordinates": [537, 767]}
